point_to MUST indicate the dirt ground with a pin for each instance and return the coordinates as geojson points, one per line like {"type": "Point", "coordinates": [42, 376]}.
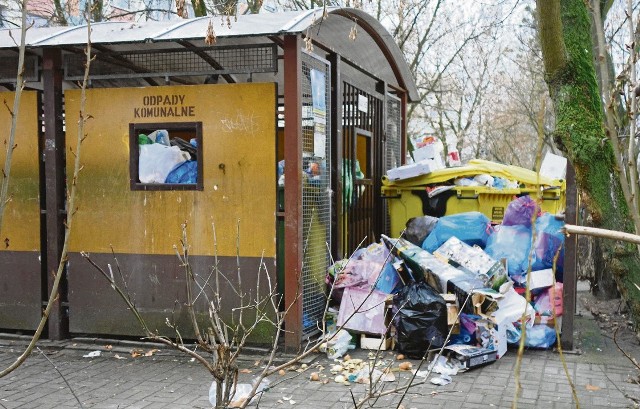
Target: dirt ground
{"type": "Point", "coordinates": [616, 327]}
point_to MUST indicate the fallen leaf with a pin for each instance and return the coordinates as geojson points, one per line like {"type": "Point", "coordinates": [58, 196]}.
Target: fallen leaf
{"type": "Point", "coordinates": [593, 388]}
{"type": "Point", "coordinates": [151, 352]}
{"type": "Point", "coordinates": [405, 366]}
{"type": "Point", "coordinates": [108, 347]}
{"type": "Point", "coordinates": [282, 372]}
{"type": "Point", "coordinates": [116, 356]}
{"type": "Point", "coordinates": [246, 371]}
{"type": "Point", "coordinates": [135, 353]}
{"type": "Point", "coordinates": [256, 363]}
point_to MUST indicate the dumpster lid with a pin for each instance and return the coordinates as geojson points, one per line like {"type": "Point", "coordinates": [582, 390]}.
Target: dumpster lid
{"type": "Point", "coordinates": [475, 167]}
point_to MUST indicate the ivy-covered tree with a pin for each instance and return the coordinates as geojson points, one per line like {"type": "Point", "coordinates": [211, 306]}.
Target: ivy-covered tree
{"type": "Point", "coordinates": [566, 40]}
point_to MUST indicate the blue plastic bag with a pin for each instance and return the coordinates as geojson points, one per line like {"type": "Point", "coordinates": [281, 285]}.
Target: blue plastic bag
{"type": "Point", "coordinates": [472, 228]}
{"type": "Point", "coordinates": [549, 239]}
{"type": "Point", "coordinates": [512, 243]}
{"type": "Point", "coordinates": [540, 336]}
{"type": "Point", "coordinates": [186, 172]}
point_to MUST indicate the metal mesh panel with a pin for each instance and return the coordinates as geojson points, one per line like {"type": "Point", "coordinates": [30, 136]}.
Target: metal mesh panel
{"type": "Point", "coordinates": [9, 69]}
{"type": "Point", "coordinates": [176, 62]}
{"type": "Point", "coordinates": [393, 148]}
{"type": "Point", "coordinates": [362, 132]}
{"type": "Point", "coordinates": [316, 190]}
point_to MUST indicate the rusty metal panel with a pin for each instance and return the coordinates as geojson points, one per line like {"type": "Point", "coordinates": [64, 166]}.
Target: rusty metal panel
{"type": "Point", "coordinates": [238, 127]}
{"type": "Point", "coordinates": [293, 253]}
{"type": "Point", "coordinates": [20, 271]}
{"type": "Point", "coordinates": [156, 284]}
{"type": "Point", "coordinates": [20, 290]}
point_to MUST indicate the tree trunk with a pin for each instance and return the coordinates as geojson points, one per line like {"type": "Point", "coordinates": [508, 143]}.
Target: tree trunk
{"type": "Point", "coordinates": [571, 78]}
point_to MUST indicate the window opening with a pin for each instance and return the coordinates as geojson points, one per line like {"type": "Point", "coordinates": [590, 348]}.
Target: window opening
{"type": "Point", "coordinates": [166, 156]}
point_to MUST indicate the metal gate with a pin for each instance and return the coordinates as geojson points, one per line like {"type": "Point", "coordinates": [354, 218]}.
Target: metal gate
{"type": "Point", "coordinates": [361, 217]}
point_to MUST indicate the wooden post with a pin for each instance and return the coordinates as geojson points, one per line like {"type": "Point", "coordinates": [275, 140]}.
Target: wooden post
{"type": "Point", "coordinates": [569, 288]}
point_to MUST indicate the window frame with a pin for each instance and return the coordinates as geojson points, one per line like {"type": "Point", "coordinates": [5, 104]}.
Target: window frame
{"type": "Point", "coordinates": [134, 154]}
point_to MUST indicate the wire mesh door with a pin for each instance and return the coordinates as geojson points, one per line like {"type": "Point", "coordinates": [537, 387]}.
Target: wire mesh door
{"type": "Point", "coordinates": [316, 189]}
{"type": "Point", "coordinates": [392, 151]}
{"type": "Point", "coordinates": [362, 131]}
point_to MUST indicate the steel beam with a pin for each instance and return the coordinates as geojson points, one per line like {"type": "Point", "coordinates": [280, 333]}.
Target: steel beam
{"type": "Point", "coordinates": [54, 171]}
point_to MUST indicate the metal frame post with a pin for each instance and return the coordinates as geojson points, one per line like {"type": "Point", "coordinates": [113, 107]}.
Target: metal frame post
{"type": "Point", "coordinates": [54, 171]}
{"type": "Point", "coordinates": [293, 256]}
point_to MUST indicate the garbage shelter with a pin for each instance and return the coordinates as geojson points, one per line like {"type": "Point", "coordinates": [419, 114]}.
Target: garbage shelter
{"type": "Point", "coordinates": [283, 124]}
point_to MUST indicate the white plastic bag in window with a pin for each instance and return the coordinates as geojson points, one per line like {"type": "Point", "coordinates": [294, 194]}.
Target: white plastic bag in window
{"type": "Point", "coordinates": [157, 160]}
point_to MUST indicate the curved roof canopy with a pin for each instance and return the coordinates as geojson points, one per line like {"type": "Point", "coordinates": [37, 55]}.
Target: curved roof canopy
{"type": "Point", "coordinates": [374, 50]}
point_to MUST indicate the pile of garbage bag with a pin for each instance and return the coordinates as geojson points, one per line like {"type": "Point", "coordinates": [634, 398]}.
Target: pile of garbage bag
{"type": "Point", "coordinates": [166, 160]}
{"type": "Point", "coordinates": [456, 282]}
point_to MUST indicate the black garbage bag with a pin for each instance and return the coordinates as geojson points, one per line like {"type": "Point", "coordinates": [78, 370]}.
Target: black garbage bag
{"type": "Point", "coordinates": [420, 318]}
{"type": "Point", "coordinates": [418, 228]}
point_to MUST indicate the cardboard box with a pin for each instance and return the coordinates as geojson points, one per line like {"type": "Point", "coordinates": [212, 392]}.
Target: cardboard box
{"type": "Point", "coordinates": [429, 151]}
{"type": "Point", "coordinates": [541, 279]}
{"type": "Point", "coordinates": [415, 169]}
{"type": "Point", "coordinates": [382, 343]}
{"type": "Point", "coordinates": [452, 309]}
{"type": "Point", "coordinates": [492, 336]}
{"type": "Point", "coordinates": [471, 357]}
{"type": "Point", "coordinates": [554, 166]}
{"type": "Point", "coordinates": [548, 321]}
{"type": "Point", "coordinates": [473, 259]}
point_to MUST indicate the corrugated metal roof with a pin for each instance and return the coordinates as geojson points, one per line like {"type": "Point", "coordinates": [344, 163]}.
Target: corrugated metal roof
{"type": "Point", "coordinates": [380, 46]}
{"type": "Point", "coordinates": [127, 32]}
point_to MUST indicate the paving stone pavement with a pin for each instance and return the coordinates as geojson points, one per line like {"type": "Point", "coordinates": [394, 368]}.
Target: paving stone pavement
{"type": "Point", "coordinates": [169, 380]}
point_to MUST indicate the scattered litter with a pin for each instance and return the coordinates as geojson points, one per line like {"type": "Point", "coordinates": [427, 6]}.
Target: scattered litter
{"type": "Point", "coordinates": [441, 380]}
{"type": "Point", "coordinates": [116, 356]}
{"type": "Point", "coordinates": [405, 366]}
{"type": "Point", "coordinates": [241, 395]}
{"type": "Point", "coordinates": [92, 354]}
{"type": "Point", "coordinates": [443, 366]}
{"type": "Point", "coordinates": [151, 352]}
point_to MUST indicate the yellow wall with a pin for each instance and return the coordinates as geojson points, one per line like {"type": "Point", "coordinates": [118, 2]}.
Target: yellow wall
{"type": "Point", "coordinates": [239, 131]}
{"type": "Point", "coordinates": [21, 223]}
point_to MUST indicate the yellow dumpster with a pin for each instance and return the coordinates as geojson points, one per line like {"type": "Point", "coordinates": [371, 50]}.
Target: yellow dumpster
{"type": "Point", "coordinates": [435, 194]}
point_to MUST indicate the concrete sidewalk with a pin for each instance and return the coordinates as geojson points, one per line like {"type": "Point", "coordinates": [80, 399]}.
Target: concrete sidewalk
{"type": "Point", "coordinates": [168, 380]}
